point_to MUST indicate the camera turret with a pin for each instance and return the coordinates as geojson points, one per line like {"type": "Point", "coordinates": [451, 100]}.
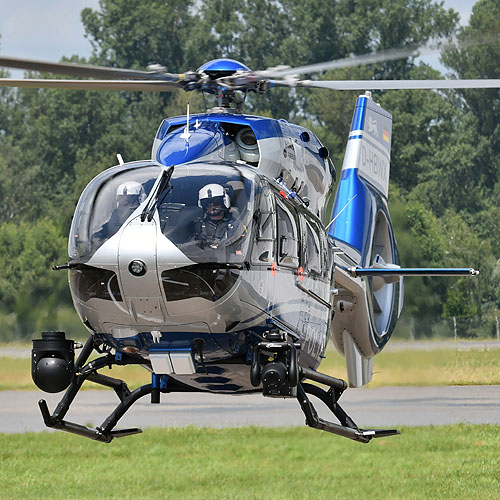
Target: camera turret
{"type": "Point", "coordinates": [52, 362]}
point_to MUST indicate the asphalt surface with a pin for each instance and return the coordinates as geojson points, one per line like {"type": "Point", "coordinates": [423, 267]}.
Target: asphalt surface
{"type": "Point", "coordinates": [385, 407]}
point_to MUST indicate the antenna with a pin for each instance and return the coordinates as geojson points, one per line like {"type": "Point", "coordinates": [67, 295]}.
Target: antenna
{"type": "Point", "coordinates": [186, 135]}
{"type": "Point", "coordinates": [335, 218]}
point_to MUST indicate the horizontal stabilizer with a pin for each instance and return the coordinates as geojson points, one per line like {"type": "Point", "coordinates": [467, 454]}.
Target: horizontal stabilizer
{"type": "Point", "coordinates": [388, 271]}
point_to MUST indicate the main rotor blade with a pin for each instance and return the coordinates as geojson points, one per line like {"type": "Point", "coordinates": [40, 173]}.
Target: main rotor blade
{"type": "Point", "coordinates": [390, 84]}
{"type": "Point", "coordinates": [151, 86]}
{"type": "Point", "coordinates": [382, 56]}
{"type": "Point", "coordinates": [85, 70]}
{"type": "Point", "coordinates": [378, 57]}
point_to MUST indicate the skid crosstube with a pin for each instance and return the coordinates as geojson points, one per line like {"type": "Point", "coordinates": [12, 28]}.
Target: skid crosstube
{"type": "Point", "coordinates": [104, 432]}
{"type": "Point", "coordinates": [347, 428]}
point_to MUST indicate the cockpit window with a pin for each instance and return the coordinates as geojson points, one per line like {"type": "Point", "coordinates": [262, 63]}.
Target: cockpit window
{"type": "Point", "coordinates": [311, 248]}
{"type": "Point", "coordinates": [107, 202]}
{"type": "Point", "coordinates": [207, 213]}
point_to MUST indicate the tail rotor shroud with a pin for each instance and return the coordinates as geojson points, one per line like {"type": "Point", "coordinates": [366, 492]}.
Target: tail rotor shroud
{"type": "Point", "coordinates": [366, 307]}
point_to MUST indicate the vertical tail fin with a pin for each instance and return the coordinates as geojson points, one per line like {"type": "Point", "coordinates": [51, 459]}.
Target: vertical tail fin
{"type": "Point", "coordinates": [365, 175]}
{"type": "Point", "coordinates": [366, 309]}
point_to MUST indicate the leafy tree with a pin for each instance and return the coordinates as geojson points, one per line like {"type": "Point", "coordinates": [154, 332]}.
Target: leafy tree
{"type": "Point", "coordinates": [487, 221]}
{"type": "Point", "coordinates": [19, 183]}
{"type": "Point", "coordinates": [445, 190]}
{"type": "Point", "coordinates": [135, 33]}
{"type": "Point", "coordinates": [27, 285]}
{"type": "Point", "coordinates": [476, 56]}
{"type": "Point", "coordinates": [422, 298]}
{"type": "Point", "coordinates": [455, 176]}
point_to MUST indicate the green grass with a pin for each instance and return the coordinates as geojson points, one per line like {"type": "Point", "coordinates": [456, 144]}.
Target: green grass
{"type": "Point", "coordinates": [15, 374]}
{"type": "Point", "coordinates": [425, 368]}
{"type": "Point", "coordinates": [405, 367]}
{"type": "Point", "coordinates": [460, 461]}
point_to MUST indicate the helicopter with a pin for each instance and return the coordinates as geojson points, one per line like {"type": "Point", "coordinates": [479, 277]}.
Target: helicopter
{"type": "Point", "coordinates": [216, 265]}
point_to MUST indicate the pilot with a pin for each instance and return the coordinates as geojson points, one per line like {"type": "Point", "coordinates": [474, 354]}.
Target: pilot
{"type": "Point", "coordinates": [129, 196]}
{"type": "Point", "coordinates": [217, 226]}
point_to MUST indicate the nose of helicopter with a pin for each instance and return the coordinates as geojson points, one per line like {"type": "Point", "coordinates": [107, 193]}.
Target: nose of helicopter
{"type": "Point", "coordinates": [176, 271]}
{"type": "Point", "coordinates": [160, 283]}
{"type": "Point", "coordinates": [140, 245]}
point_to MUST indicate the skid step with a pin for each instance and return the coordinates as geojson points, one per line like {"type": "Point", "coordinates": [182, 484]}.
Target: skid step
{"type": "Point", "coordinates": [125, 432]}
{"type": "Point", "coordinates": [98, 434]}
{"type": "Point", "coordinates": [346, 428]}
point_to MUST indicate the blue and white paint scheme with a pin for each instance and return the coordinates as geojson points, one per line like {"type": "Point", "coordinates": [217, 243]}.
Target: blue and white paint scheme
{"type": "Point", "coordinates": [260, 150]}
{"type": "Point", "coordinates": [365, 171]}
{"type": "Point", "coordinates": [222, 65]}
{"type": "Point", "coordinates": [283, 150]}
{"type": "Point", "coordinates": [367, 307]}
{"type": "Point", "coordinates": [227, 298]}
{"type": "Point", "coordinates": [212, 264]}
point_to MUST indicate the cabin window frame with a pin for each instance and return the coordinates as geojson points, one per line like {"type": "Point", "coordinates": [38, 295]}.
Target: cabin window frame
{"type": "Point", "coordinates": [312, 259]}
{"type": "Point", "coordinates": [283, 257]}
{"type": "Point", "coordinates": [265, 215]}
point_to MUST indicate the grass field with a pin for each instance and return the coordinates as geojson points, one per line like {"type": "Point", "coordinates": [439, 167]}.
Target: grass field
{"type": "Point", "coordinates": [15, 374]}
{"type": "Point", "coordinates": [454, 462]}
{"type": "Point", "coordinates": [405, 367]}
{"type": "Point", "coordinates": [460, 461]}
{"type": "Point", "coordinates": [425, 368]}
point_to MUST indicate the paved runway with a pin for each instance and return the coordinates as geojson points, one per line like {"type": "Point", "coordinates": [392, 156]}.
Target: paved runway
{"type": "Point", "coordinates": [386, 407]}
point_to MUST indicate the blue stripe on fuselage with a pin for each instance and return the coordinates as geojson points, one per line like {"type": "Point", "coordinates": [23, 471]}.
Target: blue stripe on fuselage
{"type": "Point", "coordinates": [353, 224]}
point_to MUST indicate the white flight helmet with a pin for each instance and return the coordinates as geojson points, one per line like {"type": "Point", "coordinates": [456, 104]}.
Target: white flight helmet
{"type": "Point", "coordinates": [215, 193]}
{"type": "Point", "coordinates": [131, 192]}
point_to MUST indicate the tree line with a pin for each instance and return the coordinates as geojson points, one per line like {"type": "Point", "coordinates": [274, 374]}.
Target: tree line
{"type": "Point", "coordinates": [444, 191]}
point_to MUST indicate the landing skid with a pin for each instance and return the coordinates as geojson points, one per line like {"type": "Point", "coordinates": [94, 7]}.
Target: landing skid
{"type": "Point", "coordinates": [162, 384]}
{"type": "Point", "coordinates": [104, 432]}
{"type": "Point", "coordinates": [347, 428]}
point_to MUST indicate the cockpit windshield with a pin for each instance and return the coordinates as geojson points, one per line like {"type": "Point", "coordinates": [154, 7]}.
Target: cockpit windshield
{"type": "Point", "coordinates": [205, 209]}
{"type": "Point", "coordinates": [206, 212]}
{"type": "Point", "coordinates": [107, 202]}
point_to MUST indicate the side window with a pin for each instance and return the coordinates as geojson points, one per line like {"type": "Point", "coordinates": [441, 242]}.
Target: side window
{"type": "Point", "coordinates": [287, 238]}
{"type": "Point", "coordinates": [327, 256]}
{"type": "Point", "coordinates": [311, 248]}
{"type": "Point", "coordinates": [263, 250]}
